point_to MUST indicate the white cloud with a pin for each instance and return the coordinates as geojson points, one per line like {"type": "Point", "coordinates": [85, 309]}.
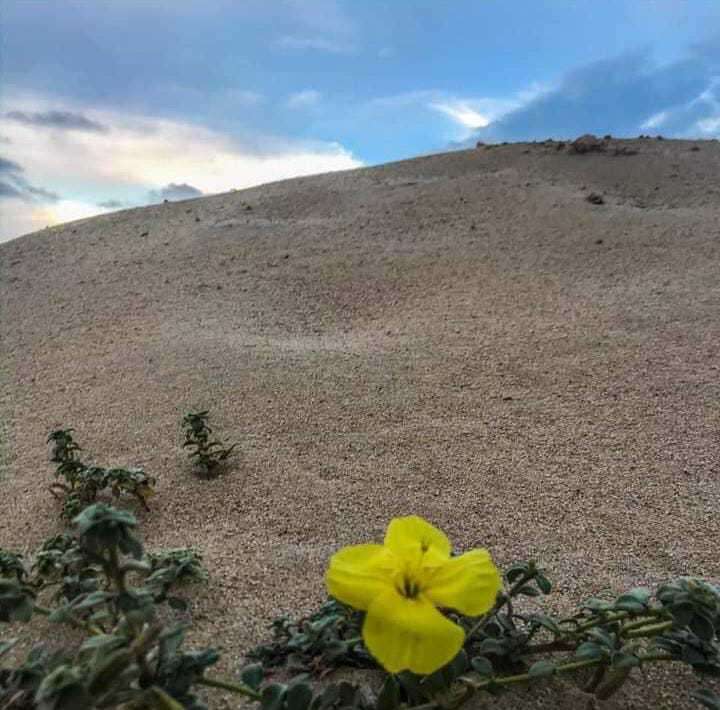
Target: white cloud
{"type": "Point", "coordinates": [304, 99]}
{"type": "Point", "coordinates": [462, 113]}
{"type": "Point", "coordinates": [709, 125]}
{"type": "Point", "coordinates": [138, 154]}
{"type": "Point", "coordinates": [655, 120]}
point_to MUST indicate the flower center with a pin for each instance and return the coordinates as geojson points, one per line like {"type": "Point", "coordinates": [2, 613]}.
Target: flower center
{"type": "Point", "coordinates": [410, 588]}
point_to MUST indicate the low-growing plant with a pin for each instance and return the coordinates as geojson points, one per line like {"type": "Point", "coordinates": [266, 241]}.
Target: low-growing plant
{"type": "Point", "coordinates": [207, 454]}
{"type": "Point", "coordinates": [79, 484]}
{"type": "Point", "coordinates": [103, 585]}
{"type": "Point", "coordinates": [440, 627]}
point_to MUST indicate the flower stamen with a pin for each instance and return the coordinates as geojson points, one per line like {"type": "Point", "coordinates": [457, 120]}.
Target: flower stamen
{"type": "Point", "coordinates": [410, 588]}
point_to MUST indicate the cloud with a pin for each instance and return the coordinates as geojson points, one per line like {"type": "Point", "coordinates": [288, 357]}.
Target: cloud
{"type": "Point", "coordinates": [9, 166]}
{"type": "Point", "coordinates": [42, 194]}
{"type": "Point", "coordinates": [174, 191]}
{"type": "Point", "coordinates": [8, 190]}
{"type": "Point", "coordinates": [655, 121]}
{"type": "Point", "coordinates": [89, 171]}
{"type": "Point", "coordinates": [623, 96]}
{"type": "Point", "coordinates": [462, 113]}
{"type": "Point", "coordinates": [304, 99]}
{"type": "Point", "coordinates": [111, 204]}
{"type": "Point", "coordinates": [315, 43]}
{"type": "Point", "coordinates": [15, 185]}
{"type": "Point", "coordinates": [64, 120]}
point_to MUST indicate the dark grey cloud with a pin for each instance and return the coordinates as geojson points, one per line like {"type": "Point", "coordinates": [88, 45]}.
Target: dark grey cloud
{"type": "Point", "coordinates": [42, 194]}
{"type": "Point", "coordinates": [618, 96]}
{"type": "Point", "coordinates": [174, 191]}
{"type": "Point", "coordinates": [8, 190]}
{"type": "Point", "coordinates": [65, 120]}
{"type": "Point", "coordinates": [14, 184]}
{"type": "Point", "coordinates": [111, 204]}
{"type": "Point", "coordinates": [9, 166]}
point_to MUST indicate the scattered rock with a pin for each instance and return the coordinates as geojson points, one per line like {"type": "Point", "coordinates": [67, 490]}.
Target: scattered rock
{"type": "Point", "coordinates": [560, 145]}
{"type": "Point", "coordinates": [144, 234]}
{"type": "Point", "coordinates": [479, 144]}
{"type": "Point", "coordinates": [595, 198]}
{"type": "Point", "coordinates": [695, 148]}
{"type": "Point", "coordinates": [598, 241]}
{"type": "Point", "coordinates": [587, 143]}
{"type": "Point", "coordinates": [607, 137]}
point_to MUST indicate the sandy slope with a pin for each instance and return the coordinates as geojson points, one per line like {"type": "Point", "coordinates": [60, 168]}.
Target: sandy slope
{"type": "Point", "coordinates": [461, 336]}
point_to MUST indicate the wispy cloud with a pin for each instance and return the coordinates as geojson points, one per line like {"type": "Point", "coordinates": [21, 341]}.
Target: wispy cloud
{"type": "Point", "coordinates": [174, 191]}
{"type": "Point", "coordinates": [111, 205]}
{"type": "Point", "coordinates": [655, 121]}
{"type": "Point", "coordinates": [464, 114]}
{"type": "Point", "coordinates": [304, 99]}
{"type": "Point", "coordinates": [63, 120]}
{"type": "Point", "coordinates": [14, 184]}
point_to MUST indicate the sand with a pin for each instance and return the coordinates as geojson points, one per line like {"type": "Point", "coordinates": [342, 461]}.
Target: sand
{"type": "Point", "coordinates": [461, 336]}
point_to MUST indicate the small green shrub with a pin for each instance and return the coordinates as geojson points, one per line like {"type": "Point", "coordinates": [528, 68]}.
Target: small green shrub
{"type": "Point", "coordinates": [103, 585]}
{"type": "Point", "coordinates": [79, 484]}
{"type": "Point", "coordinates": [206, 454]}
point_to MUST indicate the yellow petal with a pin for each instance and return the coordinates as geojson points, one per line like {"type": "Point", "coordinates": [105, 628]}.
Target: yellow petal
{"type": "Point", "coordinates": [410, 535]}
{"type": "Point", "coordinates": [410, 634]}
{"type": "Point", "coordinates": [468, 583]}
{"type": "Point", "coordinates": [357, 574]}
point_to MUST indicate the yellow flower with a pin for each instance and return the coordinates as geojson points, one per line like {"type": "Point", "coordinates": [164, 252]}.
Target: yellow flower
{"type": "Point", "coordinates": [401, 583]}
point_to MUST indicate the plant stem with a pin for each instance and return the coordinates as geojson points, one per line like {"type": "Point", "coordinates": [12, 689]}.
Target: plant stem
{"type": "Point", "coordinates": [232, 687]}
{"type": "Point", "coordinates": [651, 630]}
{"type": "Point", "coordinates": [503, 599]}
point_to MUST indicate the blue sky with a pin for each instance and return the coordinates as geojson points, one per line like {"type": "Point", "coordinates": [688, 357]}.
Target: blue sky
{"type": "Point", "coordinates": [114, 103]}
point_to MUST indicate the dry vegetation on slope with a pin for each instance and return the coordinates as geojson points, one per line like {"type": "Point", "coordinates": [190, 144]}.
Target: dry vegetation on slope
{"type": "Point", "coordinates": [462, 336]}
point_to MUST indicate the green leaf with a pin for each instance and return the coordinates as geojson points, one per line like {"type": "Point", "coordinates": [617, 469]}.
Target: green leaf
{"type": "Point", "coordinates": [252, 675]}
{"type": "Point", "coordinates": [482, 666]}
{"type": "Point", "coordinates": [273, 696]}
{"type": "Point", "coordinates": [596, 604]}
{"type": "Point", "coordinates": [548, 623]}
{"type": "Point", "coordinates": [493, 646]}
{"type": "Point", "coordinates": [105, 641]}
{"type": "Point", "coordinates": [528, 591]}
{"type": "Point", "coordinates": [298, 696]}
{"type": "Point", "coordinates": [625, 660]}
{"type": "Point", "coordinates": [702, 627]}
{"type": "Point", "coordinates": [515, 571]}
{"type": "Point", "coordinates": [543, 583]}
{"type": "Point", "coordinates": [589, 651]}
{"type": "Point", "coordinates": [541, 669]}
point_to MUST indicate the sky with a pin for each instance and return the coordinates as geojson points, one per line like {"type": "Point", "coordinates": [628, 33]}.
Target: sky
{"type": "Point", "coordinates": [109, 104]}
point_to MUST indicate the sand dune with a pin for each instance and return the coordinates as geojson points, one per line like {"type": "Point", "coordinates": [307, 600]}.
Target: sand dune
{"type": "Point", "coordinates": [463, 336]}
